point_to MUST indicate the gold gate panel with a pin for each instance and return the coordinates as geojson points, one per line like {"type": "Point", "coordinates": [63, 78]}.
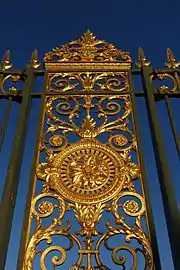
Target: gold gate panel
{"type": "Point", "coordinates": [88, 164]}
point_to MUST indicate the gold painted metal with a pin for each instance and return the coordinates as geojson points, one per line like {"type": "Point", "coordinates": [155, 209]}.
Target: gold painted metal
{"type": "Point", "coordinates": [87, 168]}
{"type": "Point", "coordinates": [142, 61]}
{"type": "Point", "coordinates": [171, 61]}
{"type": "Point", "coordinates": [165, 89]}
{"type": "Point", "coordinates": [14, 78]}
{"type": "Point", "coordinates": [87, 49]}
{"type": "Point", "coordinates": [89, 53]}
{"type": "Point", "coordinates": [87, 81]}
{"type": "Point", "coordinates": [5, 63]}
{"type": "Point", "coordinates": [34, 59]}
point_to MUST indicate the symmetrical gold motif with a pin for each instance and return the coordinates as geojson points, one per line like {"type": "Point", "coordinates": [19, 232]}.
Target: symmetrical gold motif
{"type": "Point", "coordinates": [87, 49]}
{"type": "Point", "coordinates": [142, 61]}
{"type": "Point", "coordinates": [85, 172]}
{"type": "Point", "coordinates": [87, 167]}
{"type": "Point", "coordinates": [88, 171]}
{"type": "Point", "coordinates": [171, 61]}
{"type": "Point", "coordinates": [88, 81]}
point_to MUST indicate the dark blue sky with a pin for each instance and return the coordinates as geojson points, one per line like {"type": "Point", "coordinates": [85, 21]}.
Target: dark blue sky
{"type": "Point", "coordinates": [153, 25]}
{"type": "Point", "coordinates": [129, 24]}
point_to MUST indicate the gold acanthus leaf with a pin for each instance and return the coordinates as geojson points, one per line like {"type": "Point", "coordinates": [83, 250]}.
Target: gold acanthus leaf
{"type": "Point", "coordinates": [87, 49]}
{"type": "Point", "coordinates": [88, 217]}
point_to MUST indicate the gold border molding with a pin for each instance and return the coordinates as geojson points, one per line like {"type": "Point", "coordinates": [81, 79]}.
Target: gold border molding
{"type": "Point", "coordinates": [87, 53]}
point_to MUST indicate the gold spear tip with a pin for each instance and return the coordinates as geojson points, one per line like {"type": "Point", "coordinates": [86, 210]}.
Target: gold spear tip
{"type": "Point", "coordinates": [142, 61]}
{"type": "Point", "coordinates": [34, 59]}
{"type": "Point", "coordinates": [5, 63]}
{"type": "Point", "coordinates": [171, 60]}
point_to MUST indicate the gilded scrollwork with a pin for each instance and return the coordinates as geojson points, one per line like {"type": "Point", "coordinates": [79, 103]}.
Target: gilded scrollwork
{"type": "Point", "coordinates": [165, 89]}
{"type": "Point", "coordinates": [88, 217]}
{"type": "Point", "coordinates": [87, 81]}
{"type": "Point", "coordinates": [88, 167]}
{"type": "Point", "coordinates": [10, 79]}
{"type": "Point", "coordinates": [87, 49]}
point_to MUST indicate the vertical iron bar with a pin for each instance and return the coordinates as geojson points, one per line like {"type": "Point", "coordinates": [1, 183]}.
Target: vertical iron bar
{"type": "Point", "coordinates": [177, 80]}
{"type": "Point", "coordinates": [154, 243]}
{"type": "Point", "coordinates": [173, 125]}
{"type": "Point", "coordinates": [167, 191]}
{"type": "Point", "coordinates": [31, 188]}
{"type": "Point", "coordinates": [13, 172]}
{"type": "Point", "coordinates": [5, 122]}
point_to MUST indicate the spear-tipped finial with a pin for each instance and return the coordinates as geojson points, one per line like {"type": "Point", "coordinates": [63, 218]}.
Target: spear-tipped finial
{"type": "Point", "coordinates": [142, 61]}
{"type": "Point", "coordinates": [34, 59]}
{"type": "Point", "coordinates": [171, 61]}
{"type": "Point", "coordinates": [5, 63]}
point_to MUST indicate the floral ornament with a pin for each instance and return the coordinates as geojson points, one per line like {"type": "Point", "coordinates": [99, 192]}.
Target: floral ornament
{"type": "Point", "coordinates": [88, 171]}
{"type": "Point", "coordinates": [130, 207]}
{"type": "Point", "coordinates": [87, 49]}
{"type": "Point", "coordinates": [130, 171]}
{"type": "Point", "coordinates": [56, 140]}
{"type": "Point", "coordinates": [88, 217]}
{"type": "Point", "coordinates": [120, 140]}
{"type": "Point", "coordinates": [47, 172]}
{"type": "Point", "coordinates": [45, 207]}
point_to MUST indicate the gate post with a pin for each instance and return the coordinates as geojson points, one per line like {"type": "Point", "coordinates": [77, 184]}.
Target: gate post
{"type": "Point", "coordinates": [166, 186]}
{"type": "Point", "coordinates": [13, 173]}
{"type": "Point", "coordinates": [145, 185]}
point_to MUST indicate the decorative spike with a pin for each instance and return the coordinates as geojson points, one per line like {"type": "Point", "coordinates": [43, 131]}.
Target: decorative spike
{"type": "Point", "coordinates": [142, 61]}
{"type": "Point", "coordinates": [34, 59]}
{"type": "Point", "coordinates": [88, 31]}
{"type": "Point", "coordinates": [5, 63]}
{"type": "Point", "coordinates": [171, 61]}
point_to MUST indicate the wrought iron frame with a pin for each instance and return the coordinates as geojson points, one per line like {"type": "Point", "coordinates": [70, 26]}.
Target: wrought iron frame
{"type": "Point", "coordinates": [151, 95]}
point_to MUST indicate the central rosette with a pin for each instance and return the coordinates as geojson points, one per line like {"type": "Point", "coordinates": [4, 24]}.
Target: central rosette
{"type": "Point", "coordinates": [88, 171]}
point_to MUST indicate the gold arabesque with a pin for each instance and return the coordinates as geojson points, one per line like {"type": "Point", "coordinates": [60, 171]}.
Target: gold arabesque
{"type": "Point", "coordinates": [86, 161]}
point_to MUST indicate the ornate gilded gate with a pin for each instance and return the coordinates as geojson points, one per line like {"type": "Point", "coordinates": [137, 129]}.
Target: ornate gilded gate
{"type": "Point", "coordinates": [88, 195]}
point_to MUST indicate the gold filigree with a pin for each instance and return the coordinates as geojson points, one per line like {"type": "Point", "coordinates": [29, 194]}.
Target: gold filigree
{"type": "Point", "coordinates": [56, 140]}
{"type": "Point", "coordinates": [55, 260]}
{"type": "Point", "coordinates": [122, 259]}
{"type": "Point", "coordinates": [88, 81]}
{"type": "Point", "coordinates": [120, 140]}
{"type": "Point", "coordinates": [88, 128]}
{"type": "Point", "coordinates": [85, 162]}
{"type": "Point", "coordinates": [165, 88]}
{"type": "Point", "coordinates": [89, 171]}
{"type": "Point", "coordinates": [57, 173]}
{"type": "Point", "coordinates": [88, 217]}
{"type": "Point", "coordinates": [87, 49]}
{"type": "Point", "coordinates": [131, 233]}
{"type": "Point", "coordinates": [45, 208]}
{"type": "Point", "coordinates": [14, 78]}
{"type": "Point", "coordinates": [130, 206]}
{"type": "Point", "coordinates": [41, 233]}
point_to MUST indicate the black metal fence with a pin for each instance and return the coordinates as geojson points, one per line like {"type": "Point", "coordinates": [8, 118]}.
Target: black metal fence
{"type": "Point", "coordinates": [12, 146]}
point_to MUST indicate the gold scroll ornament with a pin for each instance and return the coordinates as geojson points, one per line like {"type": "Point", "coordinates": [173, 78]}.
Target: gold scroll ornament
{"type": "Point", "coordinates": [90, 175]}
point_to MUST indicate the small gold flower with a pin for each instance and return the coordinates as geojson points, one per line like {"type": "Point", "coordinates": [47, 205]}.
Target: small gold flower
{"type": "Point", "coordinates": [89, 171]}
{"type": "Point", "coordinates": [130, 206]}
{"type": "Point", "coordinates": [45, 207]}
{"type": "Point", "coordinates": [56, 140]}
{"type": "Point", "coordinates": [120, 140]}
